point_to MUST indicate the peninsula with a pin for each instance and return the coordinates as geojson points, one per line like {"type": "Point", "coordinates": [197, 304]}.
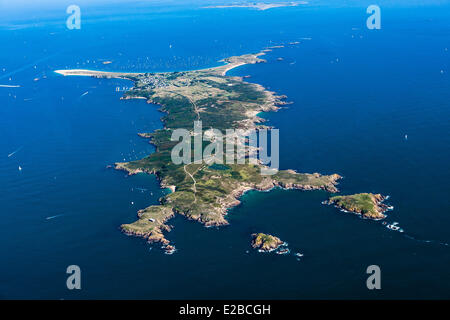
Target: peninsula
{"type": "Point", "coordinates": [201, 191]}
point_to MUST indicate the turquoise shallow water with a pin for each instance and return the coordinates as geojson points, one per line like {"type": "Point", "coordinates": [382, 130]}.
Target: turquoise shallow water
{"type": "Point", "coordinates": [356, 94]}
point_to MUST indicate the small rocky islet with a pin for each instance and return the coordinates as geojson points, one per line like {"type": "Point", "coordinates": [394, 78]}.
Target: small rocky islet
{"type": "Point", "coordinates": [368, 205]}
{"type": "Point", "coordinates": [265, 242]}
{"type": "Point", "coordinates": [203, 192]}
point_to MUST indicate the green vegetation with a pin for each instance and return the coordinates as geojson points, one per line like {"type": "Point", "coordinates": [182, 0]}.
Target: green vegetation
{"type": "Point", "coordinates": [265, 242]}
{"type": "Point", "coordinates": [369, 205]}
{"type": "Point", "coordinates": [217, 166]}
{"type": "Point", "coordinates": [151, 224]}
{"type": "Point", "coordinates": [202, 192]}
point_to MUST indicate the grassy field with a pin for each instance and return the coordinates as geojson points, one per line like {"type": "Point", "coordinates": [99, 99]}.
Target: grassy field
{"type": "Point", "coordinates": [203, 191]}
{"type": "Point", "coordinates": [367, 204]}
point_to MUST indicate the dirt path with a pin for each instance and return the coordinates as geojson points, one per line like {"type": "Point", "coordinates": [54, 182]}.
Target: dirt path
{"type": "Point", "coordinates": [191, 101]}
{"type": "Point", "coordinates": [194, 187]}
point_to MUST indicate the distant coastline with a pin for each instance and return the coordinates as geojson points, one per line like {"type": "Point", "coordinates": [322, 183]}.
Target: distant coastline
{"type": "Point", "coordinates": [223, 69]}
{"type": "Point", "coordinates": [261, 6]}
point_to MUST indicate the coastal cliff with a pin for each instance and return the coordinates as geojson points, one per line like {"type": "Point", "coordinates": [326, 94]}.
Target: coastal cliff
{"type": "Point", "coordinates": [368, 205]}
{"type": "Point", "coordinates": [200, 191]}
{"type": "Point", "coordinates": [265, 242]}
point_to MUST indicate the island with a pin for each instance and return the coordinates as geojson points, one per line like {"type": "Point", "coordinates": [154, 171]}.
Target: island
{"type": "Point", "coordinates": [260, 5]}
{"type": "Point", "coordinates": [202, 191]}
{"type": "Point", "coordinates": [368, 205]}
{"type": "Point", "coordinates": [265, 242]}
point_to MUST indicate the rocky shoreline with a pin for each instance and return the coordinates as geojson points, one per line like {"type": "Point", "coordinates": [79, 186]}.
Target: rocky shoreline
{"type": "Point", "coordinates": [151, 226]}
{"type": "Point", "coordinates": [266, 242]}
{"type": "Point", "coordinates": [367, 205]}
{"type": "Point", "coordinates": [208, 196]}
{"type": "Point", "coordinates": [269, 184]}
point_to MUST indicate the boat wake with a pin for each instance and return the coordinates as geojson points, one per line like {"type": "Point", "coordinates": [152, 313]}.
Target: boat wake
{"type": "Point", "coordinates": [53, 217]}
{"type": "Point", "coordinates": [394, 226]}
{"type": "Point", "coordinates": [14, 152]}
{"type": "Point", "coordinates": [436, 242]}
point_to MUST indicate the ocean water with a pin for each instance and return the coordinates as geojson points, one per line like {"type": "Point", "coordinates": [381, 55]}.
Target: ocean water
{"type": "Point", "coordinates": [356, 95]}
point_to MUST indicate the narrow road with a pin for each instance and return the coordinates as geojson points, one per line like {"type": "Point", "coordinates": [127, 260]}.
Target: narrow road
{"type": "Point", "coordinates": [191, 101]}
{"type": "Point", "coordinates": [195, 107]}
{"type": "Point", "coordinates": [194, 188]}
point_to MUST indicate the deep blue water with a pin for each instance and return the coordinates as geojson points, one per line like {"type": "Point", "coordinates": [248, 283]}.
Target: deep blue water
{"type": "Point", "coordinates": [356, 93]}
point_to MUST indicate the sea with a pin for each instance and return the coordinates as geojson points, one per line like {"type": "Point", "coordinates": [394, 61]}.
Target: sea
{"type": "Point", "coordinates": [372, 105]}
